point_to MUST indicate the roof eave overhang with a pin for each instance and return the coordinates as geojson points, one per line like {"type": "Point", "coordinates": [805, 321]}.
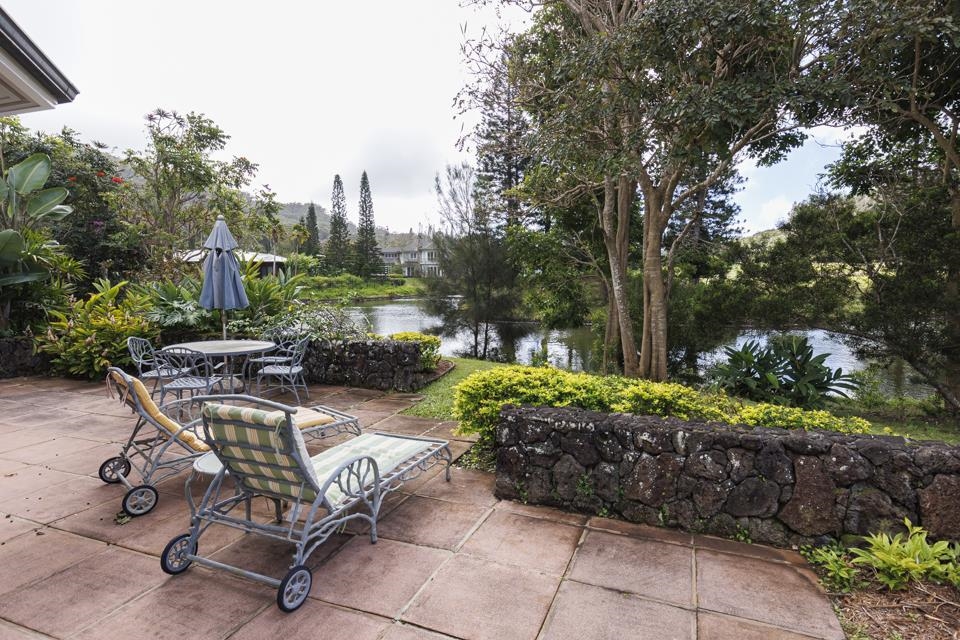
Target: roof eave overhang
{"type": "Point", "coordinates": [30, 81]}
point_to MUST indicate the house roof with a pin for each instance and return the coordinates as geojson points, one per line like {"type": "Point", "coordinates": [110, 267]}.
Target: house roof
{"type": "Point", "coordinates": [29, 81]}
{"type": "Point", "coordinates": [197, 255]}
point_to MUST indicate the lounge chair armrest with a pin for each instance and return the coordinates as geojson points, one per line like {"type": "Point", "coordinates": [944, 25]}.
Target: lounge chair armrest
{"type": "Point", "coordinates": [354, 478]}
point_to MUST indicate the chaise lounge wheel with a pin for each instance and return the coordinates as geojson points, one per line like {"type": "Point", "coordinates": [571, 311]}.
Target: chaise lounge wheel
{"type": "Point", "coordinates": [174, 559]}
{"type": "Point", "coordinates": [140, 500]}
{"type": "Point", "coordinates": [294, 588]}
{"type": "Point", "coordinates": [112, 468]}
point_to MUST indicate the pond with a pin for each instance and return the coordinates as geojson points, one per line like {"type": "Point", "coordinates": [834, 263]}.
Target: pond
{"type": "Point", "coordinates": [578, 349]}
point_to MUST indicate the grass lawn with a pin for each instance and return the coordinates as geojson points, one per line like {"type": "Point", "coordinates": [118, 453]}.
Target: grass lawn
{"type": "Point", "coordinates": [438, 396]}
{"type": "Point", "coordinates": [329, 289]}
{"type": "Point", "coordinates": [909, 422]}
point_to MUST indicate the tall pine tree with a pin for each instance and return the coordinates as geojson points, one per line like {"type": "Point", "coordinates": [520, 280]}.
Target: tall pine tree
{"type": "Point", "coordinates": [338, 243]}
{"type": "Point", "coordinates": [366, 253]}
{"type": "Point", "coordinates": [501, 158]}
{"type": "Point", "coordinates": [312, 245]}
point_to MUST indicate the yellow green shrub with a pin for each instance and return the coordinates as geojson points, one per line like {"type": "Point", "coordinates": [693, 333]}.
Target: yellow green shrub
{"type": "Point", "coordinates": [429, 347]}
{"type": "Point", "coordinates": [479, 398]}
{"type": "Point", "coordinates": [772, 415]}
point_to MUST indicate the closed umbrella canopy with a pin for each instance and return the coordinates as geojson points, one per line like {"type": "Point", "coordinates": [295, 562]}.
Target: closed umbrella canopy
{"type": "Point", "coordinates": [222, 284]}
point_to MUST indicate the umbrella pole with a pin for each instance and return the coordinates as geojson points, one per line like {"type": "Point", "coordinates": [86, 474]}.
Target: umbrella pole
{"type": "Point", "coordinates": [226, 366]}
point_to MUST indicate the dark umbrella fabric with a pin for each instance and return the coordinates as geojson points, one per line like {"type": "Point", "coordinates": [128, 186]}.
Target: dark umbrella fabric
{"type": "Point", "coordinates": [222, 284]}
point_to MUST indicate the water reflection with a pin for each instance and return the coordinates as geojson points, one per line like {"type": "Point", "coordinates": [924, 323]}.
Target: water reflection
{"type": "Point", "coordinates": [579, 349]}
{"type": "Point", "coordinates": [523, 342]}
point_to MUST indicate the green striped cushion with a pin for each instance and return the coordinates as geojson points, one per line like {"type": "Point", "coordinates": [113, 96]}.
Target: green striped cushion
{"type": "Point", "coordinates": [388, 451]}
{"type": "Point", "coordinates": [280, 441]}
{"type": "Point", "coordinates": [273, 469]}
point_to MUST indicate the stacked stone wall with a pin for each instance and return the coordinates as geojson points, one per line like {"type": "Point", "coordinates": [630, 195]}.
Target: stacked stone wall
{"type": "Point", "coordinates": [372, 364]}
{"type": "Point", "coordinates": [774, 486]}
{"type": "Point", "coordinates": [18, 359]}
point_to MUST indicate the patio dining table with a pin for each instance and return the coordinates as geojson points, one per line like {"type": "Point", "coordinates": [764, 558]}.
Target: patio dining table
{"type": "Point", "coordinates": [227, 349]}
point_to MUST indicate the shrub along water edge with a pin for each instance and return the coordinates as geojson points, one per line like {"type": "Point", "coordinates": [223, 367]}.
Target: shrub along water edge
{"type": "Point", "coordinates": [478, 399]}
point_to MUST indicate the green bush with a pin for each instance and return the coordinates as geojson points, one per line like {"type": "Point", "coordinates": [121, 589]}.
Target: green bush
{"type": "Point", "coordinates": [429, 347]}
{"type": "Point", "coordinates": [771, 415]}
{"type": "Point", "coordinates": [787, 373]}
{"type": "Point", "coordinates": [308, 319]}
{"type": "Point", "coordinates": [93, 334]}
{"type": "Point", "coordinates": [834, 565]}
{"type": "Point", "coordinates": [478, 399]}
{"type": "Point", "coordinates": [901, 559]}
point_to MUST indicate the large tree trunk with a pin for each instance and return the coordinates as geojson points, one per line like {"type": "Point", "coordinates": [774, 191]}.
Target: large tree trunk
{"type": "Point", "coordinates": [653, 341]}
{"type": "Point", "coordinates": [615, 222]}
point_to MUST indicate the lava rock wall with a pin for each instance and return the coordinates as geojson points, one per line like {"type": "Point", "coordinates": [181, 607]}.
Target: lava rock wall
{"type": "Point", "coordinates": [772, 486]}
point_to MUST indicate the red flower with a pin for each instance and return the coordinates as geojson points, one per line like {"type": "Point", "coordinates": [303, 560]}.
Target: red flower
{"type": "Point", "coordinates": [117, 179]}
{"type": "Point", "coordinates": [100, 174]}
{"type": "Point", "coordinates": [72, 179]}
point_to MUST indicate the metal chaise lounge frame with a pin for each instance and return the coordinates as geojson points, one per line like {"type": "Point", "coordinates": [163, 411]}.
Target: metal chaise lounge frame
{"type": "Point", "coordinates": [160, 447]}
{"type": "Point", "coordinates": [265, 456]}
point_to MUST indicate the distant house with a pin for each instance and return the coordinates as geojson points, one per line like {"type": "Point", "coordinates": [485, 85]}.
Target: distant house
{"type": "Point", "coordinates": [269, 263]}
{"type": "Point", "coordinates": [28, 80]}
{"type": "Point", "coordinates": [415, 260]}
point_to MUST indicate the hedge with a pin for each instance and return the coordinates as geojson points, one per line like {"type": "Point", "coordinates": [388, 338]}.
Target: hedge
{"type": "Point", "coordinates": [478, 399]}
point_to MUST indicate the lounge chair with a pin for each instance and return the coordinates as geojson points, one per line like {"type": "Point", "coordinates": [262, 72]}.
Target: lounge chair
{"type": "Point", "coordinates": [262, 451]}
{"type": "Point", "coordinates": [160, 447]}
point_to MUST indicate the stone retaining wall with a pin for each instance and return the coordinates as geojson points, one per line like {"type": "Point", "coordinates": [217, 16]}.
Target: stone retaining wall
{"type": "Point", "coordinates": [18, 359]}
{"type": "Point", "coordinates": [373, 364]}
{"type": "Point", "coordinates": [776, 486]}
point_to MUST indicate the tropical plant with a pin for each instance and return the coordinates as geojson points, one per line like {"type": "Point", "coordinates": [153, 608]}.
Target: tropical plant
{"type": "Point", "coordinates": [92, 335]}
{"type": "Point", "coordinates": [785, 372]}
{"type": "Point", "coordinates": [834, 565]}
{"type": "Point", "coordinates": [900, 559]}
{"type": "Point", "coordinates": [24, 207]}
{"type": "Point", "coordinates": [268, 296]}
{"type": "Point", "coordinates": [175, 306]}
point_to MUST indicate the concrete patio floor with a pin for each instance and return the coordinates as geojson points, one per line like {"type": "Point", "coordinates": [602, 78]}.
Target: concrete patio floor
{"type": "Point", "coordinates": [452, 560]}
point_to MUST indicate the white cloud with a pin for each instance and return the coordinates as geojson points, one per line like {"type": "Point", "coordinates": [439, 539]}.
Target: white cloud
{"type": "Point", "coordinates": [770, 213]}
{"type": "Point", "coordinates": [305, 90]}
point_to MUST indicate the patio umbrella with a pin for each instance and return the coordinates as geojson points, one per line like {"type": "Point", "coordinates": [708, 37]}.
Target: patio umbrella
{"type": "Point", "coordinates": [222, 285]}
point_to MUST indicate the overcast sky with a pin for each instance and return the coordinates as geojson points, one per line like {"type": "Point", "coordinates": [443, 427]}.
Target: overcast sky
{"type": "Point", "coordinates": [306, 90]}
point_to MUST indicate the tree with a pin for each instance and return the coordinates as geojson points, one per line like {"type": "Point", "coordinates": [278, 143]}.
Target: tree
{"type": "Point", "coordinates": [337, 251]}
{"type": "Point", "coordinates": [300, 234]}
{"type": "Point", "coordinates": [366, 252]}
{"type": "Point", "coordinates": [93, 234]}
{"type": "Point", "coordinates": [637, 98]}
{"type": "Point", "coordinates": [478, 286]}
{"type": "Point", "coordinates": [501, 156]}
{"type": "Point", "coordinates": [898, 64]}
{"type": "Point", "coordinates": [312, 244]}
{"type": "Point", "coordinates": [180, 188]}
{"type": "Point", "coordinates": [264, 220]}
{"type": "Point", "coordinates": [877, 264]}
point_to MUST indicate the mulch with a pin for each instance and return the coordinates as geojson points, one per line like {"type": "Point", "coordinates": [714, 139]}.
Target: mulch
{"type": "Point", "coordinates": [922, 611]}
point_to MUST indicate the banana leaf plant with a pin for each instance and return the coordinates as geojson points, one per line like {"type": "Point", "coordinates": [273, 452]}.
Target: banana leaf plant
{"type": "Point", "coordinates": [24, 207]}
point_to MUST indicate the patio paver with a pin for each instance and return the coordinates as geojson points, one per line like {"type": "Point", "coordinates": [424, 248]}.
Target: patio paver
{"type": "Point", "coordinates": [586, 612]}
{"type": "Point", "coordinates": [476, 599]}
{"type": "Point", "coordinates": [452, 561]}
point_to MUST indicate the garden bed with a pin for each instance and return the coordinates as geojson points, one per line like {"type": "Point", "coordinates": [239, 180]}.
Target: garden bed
{"type": "Point", "coordinates": [927, 611]}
